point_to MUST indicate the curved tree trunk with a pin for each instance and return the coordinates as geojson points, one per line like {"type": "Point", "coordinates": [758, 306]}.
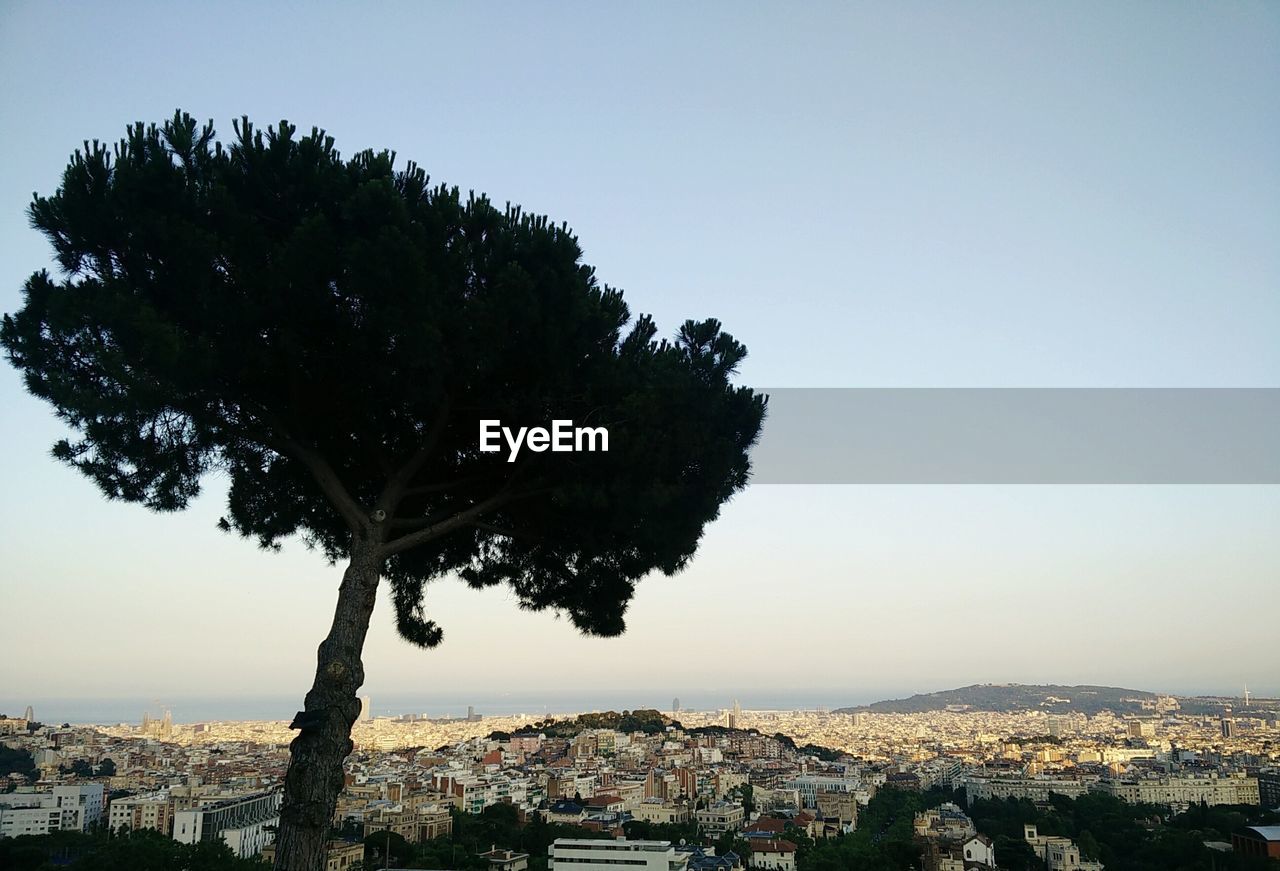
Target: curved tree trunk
{"type": "Point", "coordinates": [315, 776]}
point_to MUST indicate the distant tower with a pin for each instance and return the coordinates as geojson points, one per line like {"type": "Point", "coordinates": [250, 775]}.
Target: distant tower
{"type": "Point", "coordinates": [675, 706]}
{"type": "Point", "coordinates": [471, 712]}
{"type": "Point", "coordinates": [166, 726]}
{"type": "Point", "coordinates": [1228, 728]}
{"type": "Point", "coordinates": [737, 710]}
{"type": "Point", "coordinates": [1246, 699]}
{"type": "Point", "coordinates": [366, 708]}
{"type": "Point", "coordinates": [31, 714]}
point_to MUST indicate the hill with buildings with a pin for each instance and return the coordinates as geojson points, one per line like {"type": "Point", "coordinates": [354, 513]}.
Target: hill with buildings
{"type": "Point", "coordinates": [1009, 698]}
{"type": "Point", "coordinates": [644, 720]}
{"type": "Point", "coordinates": [1012, 698]}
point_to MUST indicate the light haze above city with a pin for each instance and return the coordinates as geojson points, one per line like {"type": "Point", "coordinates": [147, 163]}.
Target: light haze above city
{"type": "Point", "coordinates": [891, 196]}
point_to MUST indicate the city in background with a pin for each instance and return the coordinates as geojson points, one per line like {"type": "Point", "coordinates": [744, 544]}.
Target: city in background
{"type": "Point", "coordinates": [902, 196]}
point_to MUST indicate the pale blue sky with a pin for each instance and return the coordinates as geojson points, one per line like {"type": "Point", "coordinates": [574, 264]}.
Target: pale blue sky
{"type": "Point", "coordinates": [993, 194]}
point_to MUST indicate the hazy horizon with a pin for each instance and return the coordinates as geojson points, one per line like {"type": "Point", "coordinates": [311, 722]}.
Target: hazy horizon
{"type": "Point", "coordinates": [867, 196]}
{"type": "Point", "coordinates": [490, 702]}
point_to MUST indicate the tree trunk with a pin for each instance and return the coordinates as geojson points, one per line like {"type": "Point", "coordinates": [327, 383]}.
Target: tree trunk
{"type": "Point", "coordinates": [315, 776]}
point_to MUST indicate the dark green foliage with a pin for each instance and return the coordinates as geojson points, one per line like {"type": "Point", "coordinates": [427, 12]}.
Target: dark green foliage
{"type": "Point", "coordinates": [826, 754]}
{"type": "Point", "coordinates": [497, 826]}
{"type": "Point", "coordinates": [16, 761]}
{"type": "Point", "coordinates": [86, 769]}
{"type": "Point", "coordinates": [78, 767]}
{"type": "Point", "coordinates": [144, 850]}
{"type": "Point", "coordinates": [1015, 854]}
{"type": "Point", "coordinates": [647, 721]}
{"type": "Point", "coordinates": [350, 830]}
{"type": "Point", "coordinates": [1123, 836]}
{"type": "Point", "coordinates": [378, 845]}
{"type": "Point", "coordinates": [884, 840]}
{"type": "Point", "coordinates": [328, 333]}
{"type": "Point", "coordinates": [1219, 821]}
{"type": "Point", "coordinates": [643, 830]}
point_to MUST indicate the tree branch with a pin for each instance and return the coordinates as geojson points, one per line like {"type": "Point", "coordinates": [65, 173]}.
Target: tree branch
{"type": "Point", "coordinates": [356, 516]}
{"type": "Point", "coordinates": [443, 527]}
{"type": "Point", "coordinates": [275, 436]}
{"type": "Point", "coordinates": [442, 486]}
{"type": "Point", "coordinates": [398, 483]}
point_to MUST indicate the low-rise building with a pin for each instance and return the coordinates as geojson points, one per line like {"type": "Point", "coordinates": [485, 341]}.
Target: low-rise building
{"type": "Point", "coordinates": [773, 855]}
{"type": "Point", "coordinates": [339, 855]}
{"type": "Point", "coordinates": [655, 810]}
{"type": "Point", "coordinates": [1057, 853]}
{"type": "Point", "coordinates": [1262, 841]}
{"type": "Point", "coordinates": [506, 860]}
{"type": "Point", "coordinates": [580, 854]}
{"type": "Point", "coordinates": [720, 817]}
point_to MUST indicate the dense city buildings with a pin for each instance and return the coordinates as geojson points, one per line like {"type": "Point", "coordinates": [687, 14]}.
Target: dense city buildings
{"type": "Point", "coordinates": [780, 777]}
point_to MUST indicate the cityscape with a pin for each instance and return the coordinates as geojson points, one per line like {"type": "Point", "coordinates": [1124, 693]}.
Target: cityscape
{"type": "Point", "coordinates": [580, 436]}
{"type": "Point", "coordinates": [965, 786]}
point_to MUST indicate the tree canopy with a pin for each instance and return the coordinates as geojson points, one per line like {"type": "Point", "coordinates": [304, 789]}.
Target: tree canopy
{"type": "Point", "coordinates": [327, 333]}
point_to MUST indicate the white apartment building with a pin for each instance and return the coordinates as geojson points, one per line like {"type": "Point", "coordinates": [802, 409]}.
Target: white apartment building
{"type": "Point", "coordinates": [1184, 790]}
{"type": "Point", "coordinates": [720, 817]}
{"type": "Point", "coordinates": [1034, 788]}
{"type": "Point", "coordinates": [809, 785]}
{"type": "Point", "coordinates": [242, 823]}
{"type": "Point", "coordinates": [574, 854]}
{"type": "Point", "coordinates": [37, 820]}
{"type": "Point", "coordinates": [38, 813]}
{"type": "Point", "coordinates": [773, 855]}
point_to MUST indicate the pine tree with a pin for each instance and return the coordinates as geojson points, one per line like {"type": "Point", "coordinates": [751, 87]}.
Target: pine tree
{"type": "Point", "coordinates": [328, 333]}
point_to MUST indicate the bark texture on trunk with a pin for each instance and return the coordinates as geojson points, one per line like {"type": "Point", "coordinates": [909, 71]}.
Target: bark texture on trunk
{"type": "Point", "coordinates": [315, 775]}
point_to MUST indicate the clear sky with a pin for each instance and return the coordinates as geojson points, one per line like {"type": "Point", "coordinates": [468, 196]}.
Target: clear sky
{"type": "Point", "coordinates": [992, 194]}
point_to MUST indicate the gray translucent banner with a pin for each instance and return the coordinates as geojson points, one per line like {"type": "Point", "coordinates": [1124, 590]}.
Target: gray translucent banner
{"type": "Point", "coordinates": [1020, 436]}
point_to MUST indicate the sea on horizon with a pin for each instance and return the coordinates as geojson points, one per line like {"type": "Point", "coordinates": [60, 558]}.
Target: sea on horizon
{"type": "Point", "coordinates": [115, 710]}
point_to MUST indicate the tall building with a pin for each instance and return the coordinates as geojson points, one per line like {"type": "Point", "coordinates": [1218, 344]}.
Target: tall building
{"type": "Point", "coordinates": [1142, 729]}
{"type": "Point", "coordinates": [675, 706]}
{"type": "Point", "coordinates": [366, 707]}
{"type": "Point", "coordinates": [1228, 728]}
{"type": "Point", "coordinates": [30, 714]}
